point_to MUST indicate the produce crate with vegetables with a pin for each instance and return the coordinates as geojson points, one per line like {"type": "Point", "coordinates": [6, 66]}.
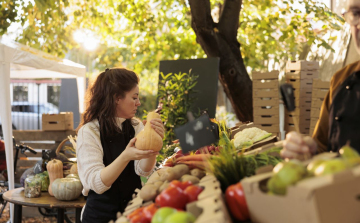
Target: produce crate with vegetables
{"type": "Point", "coordinates": [266, 100]}
{"type": "Point", "coordinates": [320, 89]}
{"type": "Point", "coordinates": [323, 189]}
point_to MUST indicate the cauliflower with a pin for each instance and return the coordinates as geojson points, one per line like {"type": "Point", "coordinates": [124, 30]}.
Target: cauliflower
{"type": "Point", "coordinates": [249, 136]}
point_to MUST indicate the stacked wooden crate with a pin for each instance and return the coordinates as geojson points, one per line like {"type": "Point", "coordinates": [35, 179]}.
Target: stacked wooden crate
{"type": "Point", "coordinates": [301, 74]}
{"type": "Point", "coordinates": [320, 89]}
{"type": "Point", "coordinates": [266, 101]}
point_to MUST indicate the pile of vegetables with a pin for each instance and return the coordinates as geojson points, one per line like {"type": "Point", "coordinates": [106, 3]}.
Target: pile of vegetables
{"type": "Point", "coordinates": [248, 137]}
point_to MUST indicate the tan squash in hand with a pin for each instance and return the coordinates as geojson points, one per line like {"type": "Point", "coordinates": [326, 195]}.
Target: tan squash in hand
{"type": "Point", "coordinates": [55, 170]}
{"type": "Point", "coordinates": [73, 169]}
{"type": "Point", "coordinates": [148, 139]}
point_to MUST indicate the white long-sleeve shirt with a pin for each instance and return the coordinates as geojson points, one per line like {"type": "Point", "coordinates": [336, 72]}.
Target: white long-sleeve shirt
{"type": "Point", "coordinates": [90, 154]}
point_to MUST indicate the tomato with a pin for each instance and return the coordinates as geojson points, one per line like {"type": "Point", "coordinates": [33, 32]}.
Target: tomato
{"type": "Point", "coordinates": [192, 192]}
{"type": "Point", "coordinates": [140, 218]}
{"type": "Point", "coordinates": [172, 197]}
{"type": "Point", "coordinates": [235, 199]}
{"type": "Point", "coordinates": [181, 185]}
{"type": "Point", "coordinates": [150, 210]}
{"type": "Point", "coordinates": [134, 213]}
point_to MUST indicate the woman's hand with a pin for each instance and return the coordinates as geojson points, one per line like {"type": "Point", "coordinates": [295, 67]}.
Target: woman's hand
{"type": "Point", "coordinates": [296, 147]}
{"type": "Point", "coordinates": [132, 153]}
{"type": "Point", "coordinates": [158, 126]}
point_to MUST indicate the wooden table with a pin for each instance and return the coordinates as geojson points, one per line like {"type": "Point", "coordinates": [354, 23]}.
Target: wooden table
{"type": "Point", "coordinates": [17, 197]}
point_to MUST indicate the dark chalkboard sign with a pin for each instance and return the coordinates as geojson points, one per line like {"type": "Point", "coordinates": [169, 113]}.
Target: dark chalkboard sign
{"type": "Point", "coordinates": [207, 87]}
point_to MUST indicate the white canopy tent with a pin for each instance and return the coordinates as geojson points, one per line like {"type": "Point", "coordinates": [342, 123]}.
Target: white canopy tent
{"type": "Point", "coordinates": [19, 61]}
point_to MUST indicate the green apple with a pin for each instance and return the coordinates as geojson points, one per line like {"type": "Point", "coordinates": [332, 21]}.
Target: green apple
{"type": "Point", "coordinates": [331, 167]}
{"type": "Point", "coordinates": [347, 152]}
{"type": "Point", "coordinates": [161, 214]}
{"type": "Point", "coordinates": [180, 217]}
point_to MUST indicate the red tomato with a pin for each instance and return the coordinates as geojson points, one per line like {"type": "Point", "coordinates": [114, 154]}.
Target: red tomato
{"type": "Point", "coordinates": [150, 210]}
{"type": "Point", "coordinates": [140, 218]}
{"type": "Point", "coordinates": [192, 192]}
{"type": "Point", "coordinates": [181, 185]}
{"type": "Point", "coordinates": [235, 199]}
{"type": "Point", "coordinates": [172, 197]}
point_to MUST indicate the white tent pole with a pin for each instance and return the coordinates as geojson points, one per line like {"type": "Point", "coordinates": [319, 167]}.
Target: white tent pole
{"type": "Point", "coordinates": [81, 85]}
{"type": "Point", "coordinates": [5, 114]}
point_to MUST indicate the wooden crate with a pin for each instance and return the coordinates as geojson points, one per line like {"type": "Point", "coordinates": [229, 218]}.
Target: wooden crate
{"type": "Point", "coordinates": [273, 128]}
{"type": "Point", "coordinates": [315, 113]}
{"type": "Point", "coordinates": [301, 74]}
{"type": "Point", "coordinates": [303, 102]}
{"type": "Point", "coordinates": [300, 111]}
{"type": "Point", "coordinates": [302, 65]}
{"type": "Point", "coordinates": [301, 120]}
{"type": "Point", "coordinates": [303, 93]}
{"type": "Point", "coordinates": [265, 102]}
{"type": "Point", "coordinates": [265, 75]}
{"type": "Point", "coordinates": [317, 83]}
{"type": "Point", "coordinates": [316, 102]}
{"type": "Point", "coordinates": [303, 129]}
{"type": "Point", "coordinates": [300, 83]}
{"type": "Point", "coordinates": [265, 93]}
{"type": "Point", "coordinates": [55, 122]}
{"type": "Point", "coordinates": [266, 110]}
{"type": "Point", "coordinates": [266, 119]}
{"type": "Point", "coordinates": [273, 84]}
{"type": "Point", "coordinates": [319, 93]}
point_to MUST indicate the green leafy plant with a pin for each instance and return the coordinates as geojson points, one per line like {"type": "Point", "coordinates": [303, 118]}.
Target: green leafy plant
{"type": "Point", "coordinates": [176, 94]}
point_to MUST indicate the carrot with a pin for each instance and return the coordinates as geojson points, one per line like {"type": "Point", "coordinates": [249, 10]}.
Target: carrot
{"type": "Point", "coordinates": [196, 157]}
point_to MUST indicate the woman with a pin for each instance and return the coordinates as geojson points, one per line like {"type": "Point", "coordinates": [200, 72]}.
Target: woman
{"type": "Point", "coordinates": [109, 165]}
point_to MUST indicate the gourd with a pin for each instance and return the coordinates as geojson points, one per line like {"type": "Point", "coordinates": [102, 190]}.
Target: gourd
{"type": "Point", "coordinates": [66, 189]}
{"type": "Point", "coordinates": [148, 138]}
{"type": "Point", "coordinates": [73, 169]}
{"type": "Point", "coordinates": [55, 170]}
{"type": "Point", "coordinates": [73, 175]}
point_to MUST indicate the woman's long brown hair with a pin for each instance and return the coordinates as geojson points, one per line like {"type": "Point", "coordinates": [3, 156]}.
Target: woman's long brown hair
{"type": "Point", "coordinates": [101, 97]}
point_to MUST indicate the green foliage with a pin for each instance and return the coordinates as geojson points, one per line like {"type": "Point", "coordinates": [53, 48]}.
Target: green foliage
{"type": "Point", "coordinates": [176, 94]}
{"type": "Point", "coordinates": [138, 34]}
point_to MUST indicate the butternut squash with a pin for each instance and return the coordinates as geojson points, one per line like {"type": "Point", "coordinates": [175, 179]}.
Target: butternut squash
{"type": "Point", "coordinates": [55, 170]}
{"type": "Point", "coordinates": [73, 169]}
{"type": "Point", "coordinates": [148, 138]}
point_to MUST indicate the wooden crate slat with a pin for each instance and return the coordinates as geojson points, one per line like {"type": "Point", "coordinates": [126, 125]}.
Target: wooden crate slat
{"type": "Point", "coordinates": [34, 135]}
{"type": "Point", "coordinates": [315, 113]}
{"type": "Point", "coordinates": [303, 93]}
{"type": "Point", "coordinates": [317, 83]}
{"type": "Point", "coordinates": [266, 119]}
{"type": "Point", "coordinates": [274, 128]}
{"type": "Point", "coordinates": [265, 75]}
{"type": "Point", "coordinates": [319, 93]}
{"type": "Point", "coordinates": [266, 84]}
{"type": "Point", "coordinates": [316, 103]}
{"type": "Point", "coordinates": [265, 102]}
{"type": "Point", "coordinates": [302, 65]}
{"type": "Point", "coordinates": [301, 111]}
{"type": "Point", "coordinates": [302, 74]}
{"type": "Point", "coordinates": [261, 93]}
{"type": "Point", "coordinates": [273, 110]}
{"type": "Point", "coordinates": [300, 83]}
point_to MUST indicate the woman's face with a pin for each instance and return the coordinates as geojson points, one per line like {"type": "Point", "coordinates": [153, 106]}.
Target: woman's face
{"type": "Point", "coordinates": [127, 107]}
{"type": "Point", "coordinates": [354, 7]}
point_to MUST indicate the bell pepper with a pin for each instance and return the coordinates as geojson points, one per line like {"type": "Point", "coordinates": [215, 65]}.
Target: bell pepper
{"type": "Point", "coordinates": [192, 192]}
{"type": "Point", "coordinates": [172, 197]}
{"type": "Point", "coordinates": [181, 185]}
{"type": "Point", "coordinates": [236, 202]}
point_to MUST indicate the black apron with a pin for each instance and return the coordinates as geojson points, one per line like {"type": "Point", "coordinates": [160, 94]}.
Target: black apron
{"type": "Point", "coordinates": [103, 207]}
{"type": "Point", "coordinates": [344, 115]}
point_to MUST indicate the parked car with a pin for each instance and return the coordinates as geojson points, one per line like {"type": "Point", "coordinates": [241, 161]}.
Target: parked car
{"type": "Point", "coordinates": [27, 115]}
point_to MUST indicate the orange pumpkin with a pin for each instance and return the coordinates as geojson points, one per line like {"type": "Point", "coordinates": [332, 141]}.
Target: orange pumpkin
{"type": "Point", "coordinates": [148, 139]}
{"type": "Point", "coordinates": [55, 170]}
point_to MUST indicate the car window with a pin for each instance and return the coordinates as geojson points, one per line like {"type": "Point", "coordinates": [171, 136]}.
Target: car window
{"type": "Point", "coordinates": [21, 108]}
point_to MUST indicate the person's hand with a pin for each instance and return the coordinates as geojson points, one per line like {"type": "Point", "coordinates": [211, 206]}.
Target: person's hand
{"type": "Point", "coordinates": [132, 153]}
{"type": "Point", "coordinates": [297, 147]}
{"type": "Point", "coordinates": [158, 126]}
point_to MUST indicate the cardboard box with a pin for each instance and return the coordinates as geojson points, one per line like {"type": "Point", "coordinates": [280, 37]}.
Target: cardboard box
{"type": "Point", "coordinates": [300, 83]}
{"type": "Point", "coordinates": [302, 65]}
{"type": "Point", "coordinates": [57, 122]}
{"type": "Point", "coordinates": [317, 83]}
{"type": "Point", "coordinates": [265, 101]}
{"type": "Point", "coordinates": [265, 75]}
{"type": "Point", "coordinates": [293, 74]}
{"type": "Point", "coordinates": [327, 199]}
{"type": "Point", "coordinates": [265, 93]}
{"type": "Point", "coordinates": [319, 93]}
{"type": "Point", "coordinates": [274, 84]}
{"type": "Point", "coordinates": [266, 110]}
{"type": "Point", "coordinates": [266, 119]}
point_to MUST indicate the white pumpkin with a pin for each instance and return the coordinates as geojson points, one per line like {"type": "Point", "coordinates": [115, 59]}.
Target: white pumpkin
{"type": "Point", "coordinates": [66, 189]}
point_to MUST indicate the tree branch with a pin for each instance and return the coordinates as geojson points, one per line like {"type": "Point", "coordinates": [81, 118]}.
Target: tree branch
{"type": "Point", "coordinates": [229, 19]}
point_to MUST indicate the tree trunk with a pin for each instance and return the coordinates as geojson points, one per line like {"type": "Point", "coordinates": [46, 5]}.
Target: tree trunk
{"type": "Point", "coordinates": [220, 40]}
